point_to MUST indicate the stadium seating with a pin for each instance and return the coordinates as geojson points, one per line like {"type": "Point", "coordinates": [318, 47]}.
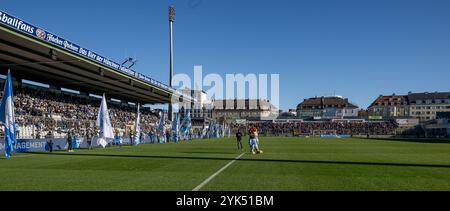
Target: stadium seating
{"type": "Point", "coordinates": [41, 113]}
{"type": "Point", "coordinates": [315, 128]}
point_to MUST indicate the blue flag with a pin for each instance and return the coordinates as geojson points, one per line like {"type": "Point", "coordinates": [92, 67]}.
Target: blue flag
{"type": "Point", "coordinates": [176, 128]}
{"type": "Point", "coordinates": [7, 116]}
{"type": "Point", "coordinates": [162, 123]}
{"type": "Point", "coordinates": [211, 129]}
{"type": "Point", "coordinates": [187, 129]}
{"type": "Point", "coordinates": [186, 124]}
{"type": "Point", "coordinates": [217, 130]}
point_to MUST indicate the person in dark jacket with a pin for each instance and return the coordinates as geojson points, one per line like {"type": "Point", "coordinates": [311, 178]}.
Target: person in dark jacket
{"type": "Point", "coordinates": [50, 145]}
{"type": "Point", "coordinates": [69, 142]}
{"type": "Point", "coordinates": [89, 138]}
{"type": "Point", "coordinates": [239, 140]}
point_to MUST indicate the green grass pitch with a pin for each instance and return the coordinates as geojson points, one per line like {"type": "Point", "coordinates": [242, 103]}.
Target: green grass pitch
{"type": "Point", "coordinates": [288, 164]}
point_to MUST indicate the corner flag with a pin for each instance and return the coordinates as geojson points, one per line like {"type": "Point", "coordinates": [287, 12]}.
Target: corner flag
{"type": "Point", "coordinates": [7, 116]}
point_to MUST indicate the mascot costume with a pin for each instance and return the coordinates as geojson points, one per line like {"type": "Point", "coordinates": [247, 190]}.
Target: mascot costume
{"type": "Point", "coordinates": [254, 141]}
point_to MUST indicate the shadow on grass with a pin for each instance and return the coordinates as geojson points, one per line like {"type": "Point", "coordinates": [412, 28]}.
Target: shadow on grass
{"type": "Point", "coordinates": [250, 160]}
{"type": "Point", "coordinates": [223, 153]}
{"type": "Point", "coordinates": [415, 140]}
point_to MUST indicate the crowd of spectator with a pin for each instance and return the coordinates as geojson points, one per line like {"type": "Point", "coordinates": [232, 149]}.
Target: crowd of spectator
{"type": "Point", "coordinates": [50, 111]}
{"type": "Point", "coordinates": [326, 127]}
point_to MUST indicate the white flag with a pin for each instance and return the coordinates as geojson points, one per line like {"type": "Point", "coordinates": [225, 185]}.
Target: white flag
{"type": "Point", "coordinates": [104, 122]}
{"type": "Point", "coordinates": [137, 132]}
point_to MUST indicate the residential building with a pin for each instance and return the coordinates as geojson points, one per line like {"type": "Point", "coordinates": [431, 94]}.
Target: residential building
{"type": "Point", "coordinates": [426, 105]}
{"type": "Point", "coordinates": [327, 108]}
{"type": "Point", "coordinates": [390, 106]}
{"type": "Point", "coordinates": [244, 109]}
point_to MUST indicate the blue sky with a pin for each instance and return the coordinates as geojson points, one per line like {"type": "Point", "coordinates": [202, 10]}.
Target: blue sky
{"type": "Point", "coordinates": [355, 48]}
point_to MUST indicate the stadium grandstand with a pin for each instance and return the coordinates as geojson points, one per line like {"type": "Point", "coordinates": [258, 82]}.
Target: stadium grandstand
{"type": "Point", "coordinates": [322, 128]}
{"type": "Point", "coordinates": [45, 113]}
{"type": "Point", "coordinates": [69, 79]}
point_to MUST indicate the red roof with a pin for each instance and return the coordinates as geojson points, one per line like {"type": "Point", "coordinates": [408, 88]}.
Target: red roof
{"type": "Point", "coordinates": [391, 100]}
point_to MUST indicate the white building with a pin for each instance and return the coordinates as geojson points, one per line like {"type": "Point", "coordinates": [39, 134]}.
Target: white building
{"type": "Point", "coordinates": [327, 108]}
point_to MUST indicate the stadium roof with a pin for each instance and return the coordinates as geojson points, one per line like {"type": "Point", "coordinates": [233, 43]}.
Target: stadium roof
{"type": "Point", "coordinates": [390, 100]}
{"type": "Point", "coordinates": [428, 96]}
{"type": "Point", "coordinates": [243, 104]}
{"type": "Point", "coordinates": [35, 54]}
{"type": "Point", "coordinates": [339, 102]}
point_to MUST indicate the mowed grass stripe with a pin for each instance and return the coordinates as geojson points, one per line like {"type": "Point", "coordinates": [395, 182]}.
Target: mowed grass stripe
{"type": "Point", "coordinates": [147, 167]}
{"type": "Point", "coordinates": [339, 164]}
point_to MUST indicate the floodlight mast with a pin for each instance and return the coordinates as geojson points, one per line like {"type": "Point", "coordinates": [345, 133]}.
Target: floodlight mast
{"type": "Point", "coordinates": [171, 21]}
{"type": "Point", "coordinates": [131, 61]}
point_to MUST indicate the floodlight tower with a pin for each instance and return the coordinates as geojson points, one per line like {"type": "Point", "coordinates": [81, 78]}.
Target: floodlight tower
{"type": "Point", "coordinates": [171, 21]}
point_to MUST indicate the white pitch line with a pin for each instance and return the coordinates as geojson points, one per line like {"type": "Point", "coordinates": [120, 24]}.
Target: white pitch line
{"type": "Point", "coordinates": [217, 173]}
